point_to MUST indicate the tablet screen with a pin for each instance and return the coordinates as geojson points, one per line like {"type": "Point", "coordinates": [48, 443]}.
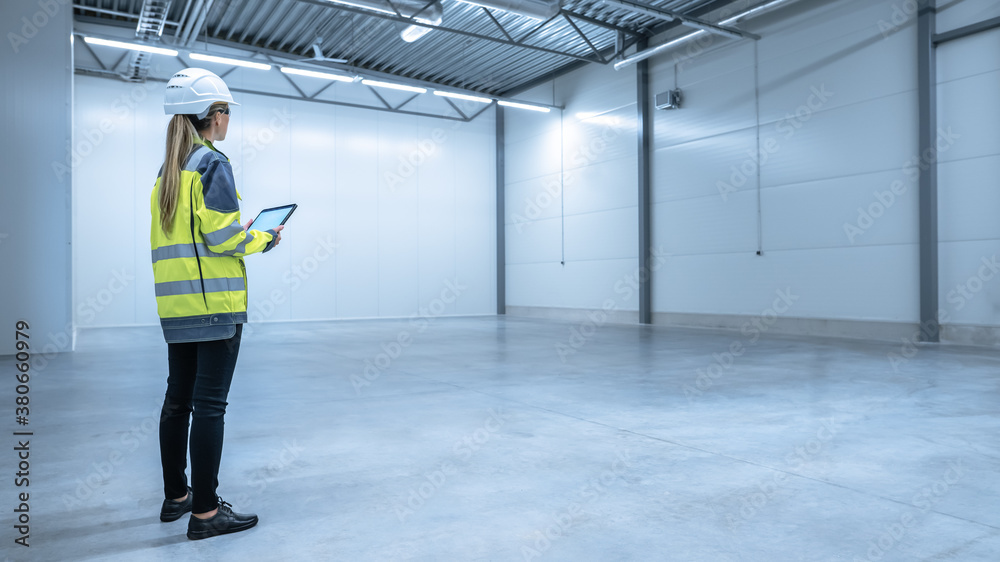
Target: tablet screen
{"type": "Point", "coordinates": [268, 219]}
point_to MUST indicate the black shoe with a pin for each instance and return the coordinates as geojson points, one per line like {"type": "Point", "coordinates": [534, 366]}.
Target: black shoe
{"type": "Point", "coordinates": [222, 523]}
{"type": "Point", "coordinates": [172, 510]}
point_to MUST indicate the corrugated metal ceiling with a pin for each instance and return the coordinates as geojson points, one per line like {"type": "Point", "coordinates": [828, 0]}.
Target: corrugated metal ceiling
{"type": "Point", "coordinates": [443, 57]}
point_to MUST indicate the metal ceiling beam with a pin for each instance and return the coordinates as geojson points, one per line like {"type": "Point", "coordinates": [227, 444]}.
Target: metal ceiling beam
{"type": "Point", "coordinates": [609, 52]}
{"type": "Point", "coordinates": [599, 23]}
{"type": "Point", "coordinates": [690, 21]}
{"type": "Point", "coordinates": [519, 43]}
{"type": "Point", "coordinates": [287, 58]}
{"type": "Point", "coordinates": [597, 53]}
{"type": "Point", "coordinates": [109, 74]}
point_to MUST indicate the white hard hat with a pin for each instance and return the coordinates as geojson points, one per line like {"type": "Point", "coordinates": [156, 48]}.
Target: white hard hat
{"type": "Point", "coordinates": [192, 91]}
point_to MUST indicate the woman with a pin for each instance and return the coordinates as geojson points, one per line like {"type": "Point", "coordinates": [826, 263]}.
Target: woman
{"type": "Point", "coordinates": [197, 249]}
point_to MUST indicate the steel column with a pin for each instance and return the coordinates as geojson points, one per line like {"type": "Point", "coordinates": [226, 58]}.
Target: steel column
{"type": "Point", "coordinates": [643, 134]}
{"type": "Point", "coordinates": [501, 232]}
{"type": "Point", "coordinates": [930, 330]}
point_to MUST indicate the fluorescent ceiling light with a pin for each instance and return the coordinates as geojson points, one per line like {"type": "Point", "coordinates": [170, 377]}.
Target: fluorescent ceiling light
{"type": "Point", "coordinates": [524, 106]}
{"type": "Point", "coordinates": [131, 46]}
{"type": "Point", "coordinates": [315, 74]}
{"type": "Point", "coordinates": [234, 62]}
{"type": "Point", "coordinates": [462, 96]}
{"type": "Point", "coordinates": [393, 86]}
{"type": "Point", "coordinates": [362, 6]}
{"type": "Point", "coordinates": [413, 32]}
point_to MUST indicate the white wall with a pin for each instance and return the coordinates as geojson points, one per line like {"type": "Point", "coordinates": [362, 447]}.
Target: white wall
{"type": "Point", "coordinates": [968, 87]}
{"type": "Point", "coordinates": [399, 232]}
{"type": "Point", "coordinates": [831, 93]}
{"type": "Point", "coordinates": [37, 67]}
{"type": "Point", "coordinates": [571, 195]}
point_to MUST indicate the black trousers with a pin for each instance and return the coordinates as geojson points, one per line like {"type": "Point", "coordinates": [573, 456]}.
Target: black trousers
{"type": "Point", "coordinates": [197, 387]}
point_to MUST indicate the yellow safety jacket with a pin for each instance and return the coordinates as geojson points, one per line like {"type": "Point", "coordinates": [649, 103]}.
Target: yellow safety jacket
{"type": "Point", "coordinates": [201, 280]}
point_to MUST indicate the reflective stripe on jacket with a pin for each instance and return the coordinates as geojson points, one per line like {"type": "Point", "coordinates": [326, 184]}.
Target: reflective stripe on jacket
{"type": "Point", "coordinates": [201, 280]}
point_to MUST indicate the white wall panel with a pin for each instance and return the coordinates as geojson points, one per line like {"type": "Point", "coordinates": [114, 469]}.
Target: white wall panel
{"type": "Point", "coordinates": [829, 283]}
{"type": "Point", "coordinates": [398, 264]}
{"type": "Point", "coordinates": [968, 199]}
{"type": "Point", "coordinates": [873, 136]}
{"type": "Point", "coordinates": [581, 285]}
{"type": "Point", "coordinates": [952, 15]}
{"type": "Point", "coordinates": [695, 169]}
{"type": "Point", "coordinates": [537, 198]}
{"type": "Point", "coordinates": [602, 235]}
{"type": "Point", "coordinates": [609, 184]}
{"type": "Point", "coordinates": [311, 282]}
{"type": "Point", "coordinates": [969, 84]}
{"type": "Point", "coordinates": [572, 186]}
{"type": "Point", "coordinates": [534, 241]}
{"type": "Point", "coordinates": [965, 106]}
{"type": "Point", "coordinates": [970, 282]}
{"type": "Point", "coordinates": [104, 210]}
{"type": "Point", "coordinates": [814, 214]}
{"type": "Point", "coordinates": [838, 112]}
{"type": "Point", "coordinates": [849, 69]}
{"type": "Point", "coordinates": [534, 156]}
{"type": "Point", "coordinates": [954, 62]}
{"type": "Point", "coordinates": [436, 249]}
{"type": "Point", "coordinates": [706, 225]}
{"type": "Point", "coordinates": [475, 200]}
{"type": "Point", "coordinates": [592, 140]}
{"type": "Point", "coordinates": [357, 214]}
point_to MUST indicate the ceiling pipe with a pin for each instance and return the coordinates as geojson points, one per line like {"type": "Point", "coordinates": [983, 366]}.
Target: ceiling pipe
{"type": "Point", "coordinates": [653, 51]}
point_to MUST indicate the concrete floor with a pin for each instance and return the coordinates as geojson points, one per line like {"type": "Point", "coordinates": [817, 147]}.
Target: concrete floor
{"type": "Point", "coordinates": [497, 438]}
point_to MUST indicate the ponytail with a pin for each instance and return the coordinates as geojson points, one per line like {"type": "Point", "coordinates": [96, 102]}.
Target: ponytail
{"type": "Point", "coordinates": [180, 133]}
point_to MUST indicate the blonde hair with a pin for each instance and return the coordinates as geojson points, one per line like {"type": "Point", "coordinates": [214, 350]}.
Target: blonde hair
{"type": "Point", "coordinates": [181, 132]}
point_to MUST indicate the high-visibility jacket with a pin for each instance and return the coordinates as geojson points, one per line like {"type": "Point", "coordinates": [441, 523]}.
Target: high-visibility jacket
{"type": "Point", "coordinates": [201, 280]}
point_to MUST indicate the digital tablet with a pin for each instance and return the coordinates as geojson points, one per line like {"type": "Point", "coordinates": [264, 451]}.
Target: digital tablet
{"type": "Point", "coordinates": [268, 219]}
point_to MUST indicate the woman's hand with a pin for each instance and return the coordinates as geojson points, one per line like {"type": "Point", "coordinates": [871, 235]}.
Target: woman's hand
{"type": "Point", "coordinates": [277, 231]}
